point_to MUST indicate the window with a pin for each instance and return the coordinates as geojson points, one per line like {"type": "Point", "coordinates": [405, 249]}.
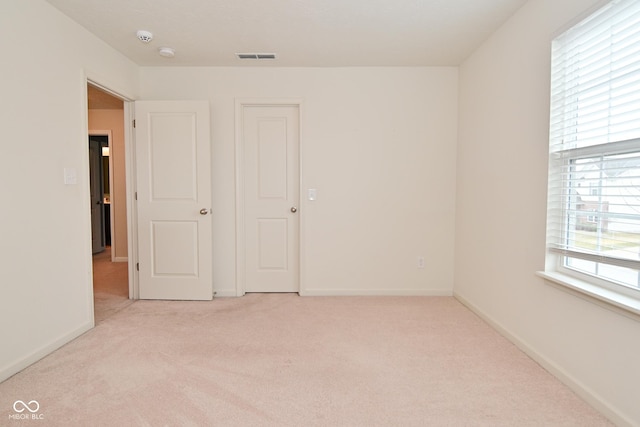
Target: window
{"type": "Point", "coordinates": [594, 165]}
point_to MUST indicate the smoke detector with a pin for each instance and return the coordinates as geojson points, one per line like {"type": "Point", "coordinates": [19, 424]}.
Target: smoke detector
{"type": "Point", "coordinates": [144, 36]}
{"type": "Point", "coordinates": [167, 52]}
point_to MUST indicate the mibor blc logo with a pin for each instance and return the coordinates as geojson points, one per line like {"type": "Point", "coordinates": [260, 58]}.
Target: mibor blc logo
{"type": "Point", "coordinates": [26, 411]}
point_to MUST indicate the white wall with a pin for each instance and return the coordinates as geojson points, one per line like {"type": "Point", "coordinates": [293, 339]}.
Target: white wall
{"type": "Point", "coordinates": [501, 211]}
{"type": "Point", "coordinates": [45, 251]}
{"type": "Point", "coordinates": [379, 146]}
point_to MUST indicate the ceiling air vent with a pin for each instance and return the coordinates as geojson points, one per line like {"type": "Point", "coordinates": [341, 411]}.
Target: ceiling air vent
{"type": "Point", "coordinates": [256, 55]}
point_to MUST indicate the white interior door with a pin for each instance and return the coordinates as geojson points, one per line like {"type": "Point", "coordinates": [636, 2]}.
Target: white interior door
{"type": "Point", "coordinates": [271, 191]}
{"type": "Point", "coordinates": [173, 168]}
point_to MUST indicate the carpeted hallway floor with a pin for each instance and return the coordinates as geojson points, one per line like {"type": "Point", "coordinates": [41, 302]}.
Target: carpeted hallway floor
{"type": "Point", "coordinates": [285, 360]}
{"type": "Point", "coordinates": [110, 285]}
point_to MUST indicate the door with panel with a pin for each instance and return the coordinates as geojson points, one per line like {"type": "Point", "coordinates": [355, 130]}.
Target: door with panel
{"type": "Point", "coordinates": [271, 177]}
{"type": "Point", "coordinates": [173, 182]}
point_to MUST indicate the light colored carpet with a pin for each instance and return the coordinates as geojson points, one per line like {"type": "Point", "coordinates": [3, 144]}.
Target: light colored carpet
{"type": "Point", "coordinates": [285, 360]}
{"type": "Point", "coordinates": [110, 285]}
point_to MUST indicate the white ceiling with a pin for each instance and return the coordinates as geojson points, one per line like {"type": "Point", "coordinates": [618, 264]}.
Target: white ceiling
{"type": "Point", "coordinates": [305, 33]}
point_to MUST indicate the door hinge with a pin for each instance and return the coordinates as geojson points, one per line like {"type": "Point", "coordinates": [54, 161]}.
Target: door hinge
{"type": "Point", "coordinates": [135, 195]}
{"type": "Point", "coordinates": [134, 123]}
{"type": "Point", "coordinates": [137, 266]}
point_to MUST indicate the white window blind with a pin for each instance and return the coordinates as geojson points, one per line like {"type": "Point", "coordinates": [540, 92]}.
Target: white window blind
{"type": "Point", "coordinates": [594, 174]}
{"type": "Point", "coordinates": [595, 93]}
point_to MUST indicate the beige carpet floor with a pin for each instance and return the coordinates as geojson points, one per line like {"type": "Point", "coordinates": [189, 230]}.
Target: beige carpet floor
{"type": "Point", "coordinates": [110, 285]}
{"type": "Point", "coordinates": [285, 360]}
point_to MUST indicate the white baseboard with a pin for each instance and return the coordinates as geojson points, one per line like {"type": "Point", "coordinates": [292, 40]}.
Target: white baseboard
{"type": "Point", "coordinates": [19, 365]}
{"type": "Point", "coordinates": [120, 259]}
{"type": "Point", "coordinates": [578, 387]}
{"type": "Point", "coordinates": [357, 292]}
{"type": "Point", "coordinates": [377, 292]}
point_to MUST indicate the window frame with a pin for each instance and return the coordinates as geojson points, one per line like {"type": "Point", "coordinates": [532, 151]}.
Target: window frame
{"type": "Point", "coordinates": [620, 295]}
{"type": "Point", "coordinates": [612, 294]}
{"type": "Point", "coordinates": [559, 161]}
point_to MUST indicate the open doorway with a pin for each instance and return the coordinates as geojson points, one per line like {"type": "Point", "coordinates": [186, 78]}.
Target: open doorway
{"type": "Point", "coordinates": [106, 121]}
{"type": "Point", "coordinates": [99, 166]}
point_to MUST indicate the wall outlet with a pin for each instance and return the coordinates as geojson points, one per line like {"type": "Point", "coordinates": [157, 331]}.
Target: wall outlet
{"type": "Point", "coordinates": [421, 262]}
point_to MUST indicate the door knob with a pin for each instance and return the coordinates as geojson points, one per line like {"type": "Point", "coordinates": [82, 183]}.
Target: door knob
{"type": "Point", "coordinates": [294, 209]}
{"type": "Point", "coordinates": [204, 211]}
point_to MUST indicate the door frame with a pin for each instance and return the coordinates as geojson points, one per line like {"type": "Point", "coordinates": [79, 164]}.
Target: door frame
{"type": "Point", "coordinates": [130, 184]}
{"type": "Point", "coordinates": [240, 104]}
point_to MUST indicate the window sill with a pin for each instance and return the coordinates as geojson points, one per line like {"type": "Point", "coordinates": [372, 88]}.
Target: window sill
{"type": "Point", "coordinates": [619, 302]}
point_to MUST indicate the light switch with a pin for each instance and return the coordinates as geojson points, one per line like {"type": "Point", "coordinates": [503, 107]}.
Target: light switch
{"type": "Point", "coordinates": [312, 194]}
{"type": "Point", "coordinates": [70, 176]}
